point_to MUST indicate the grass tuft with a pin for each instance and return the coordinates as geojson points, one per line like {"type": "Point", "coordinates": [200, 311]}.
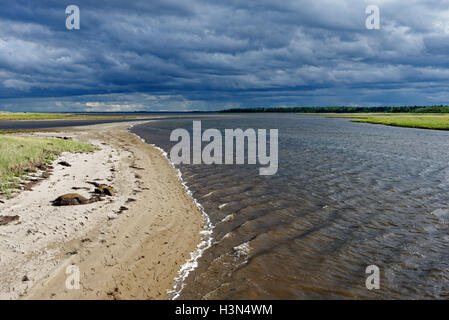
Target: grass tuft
{"type": "Point", "coordinates": [21, 155]}
{"type": "Point", "coordinates": [437, 122]}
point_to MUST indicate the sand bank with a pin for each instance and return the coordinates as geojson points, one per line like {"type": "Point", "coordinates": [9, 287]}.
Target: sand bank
{"type": "Point", "coordinates": [129, 246]}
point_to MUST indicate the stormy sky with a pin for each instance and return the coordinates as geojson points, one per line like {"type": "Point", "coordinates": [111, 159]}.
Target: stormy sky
{"type": "Point", "coordinates": [167, 55]}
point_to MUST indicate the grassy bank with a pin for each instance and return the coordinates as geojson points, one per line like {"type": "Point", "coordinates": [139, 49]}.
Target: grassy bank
{"type": "Point", "coordinates": [55, 116]}
{"type": "Point", "coordinates": [23, 154]}
{"type": "Point", "coordinates": [344, 109]}
{"type": "Point", "coordinates": [431, 121]}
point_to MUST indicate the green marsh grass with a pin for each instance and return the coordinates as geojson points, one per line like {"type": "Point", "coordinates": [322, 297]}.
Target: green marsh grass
{"type": "Point", "coordinates": [7, 116]}
{"type": "Point", "coordinates": [433, 121]}
{"type": "Point", "coordinates": [19, 154]}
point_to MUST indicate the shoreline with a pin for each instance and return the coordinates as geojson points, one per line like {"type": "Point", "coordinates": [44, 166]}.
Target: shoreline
{"type": "Point", "coordinates": [206, 238]}
{"type": "Point", "coordinates": [134, 253]}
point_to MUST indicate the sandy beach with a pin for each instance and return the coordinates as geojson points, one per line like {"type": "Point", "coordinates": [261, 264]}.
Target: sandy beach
{"type": "Point", "coordinates": [128, 246]}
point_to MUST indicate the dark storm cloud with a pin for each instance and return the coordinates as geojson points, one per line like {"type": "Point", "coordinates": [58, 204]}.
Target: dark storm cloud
{"type": "Point", "coordinates": [197, 54]}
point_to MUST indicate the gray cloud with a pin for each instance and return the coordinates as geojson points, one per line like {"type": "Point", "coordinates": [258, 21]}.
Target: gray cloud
{"type": "Point", "coordinates": [207, 55]}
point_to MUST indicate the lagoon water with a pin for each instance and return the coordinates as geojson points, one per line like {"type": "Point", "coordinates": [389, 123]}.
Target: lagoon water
{"type": "Point", "coordinates": [346, 196]}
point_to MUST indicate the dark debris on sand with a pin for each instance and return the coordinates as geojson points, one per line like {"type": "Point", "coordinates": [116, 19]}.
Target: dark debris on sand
{"type": "Point", "coordinates": [4, 220]}
{"type": "Point", "coordinates": [64, 163]}
{"type": "Point", "coordinates": [121, 209]}
{"type": "Point", "coordinates": [102, 189]}
{"type": "Point", "coordinates": [74, 199]}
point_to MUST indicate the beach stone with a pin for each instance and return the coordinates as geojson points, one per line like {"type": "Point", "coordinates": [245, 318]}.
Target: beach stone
{"type": "Point", "coordinates": [74, 199]}
{"type": "Point", "coordinates": [104, 190]}
{"type": "Point", "coordinates": [122, 208]}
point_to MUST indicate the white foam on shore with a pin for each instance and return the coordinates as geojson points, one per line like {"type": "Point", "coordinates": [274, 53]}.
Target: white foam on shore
{"type": "Point", "coordinates": [242, 250]}
{"type": "Point", "coordinates": [227, 235]}
{"type": "Point", "coordinates": [228, 218]}
{"type": "Point", "coordinates": [206, 234]}
{"type": "Point", "coordinates": [222, 205]}
{"type": "Point", "coordinates": [207, 195]}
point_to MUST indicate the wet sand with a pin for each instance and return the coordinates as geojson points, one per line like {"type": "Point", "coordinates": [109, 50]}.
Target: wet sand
{"type": "Point", "coordinates": [129, 246]}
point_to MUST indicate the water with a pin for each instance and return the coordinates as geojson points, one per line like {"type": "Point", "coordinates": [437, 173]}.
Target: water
{"type": "Point", "coordinates": [43, 124]}
{"type": "Point", "coordinates": [346, 196]}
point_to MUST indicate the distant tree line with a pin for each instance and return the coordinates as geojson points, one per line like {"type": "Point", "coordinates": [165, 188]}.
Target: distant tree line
{"type": "Point", "coordinates": [342, 109]}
